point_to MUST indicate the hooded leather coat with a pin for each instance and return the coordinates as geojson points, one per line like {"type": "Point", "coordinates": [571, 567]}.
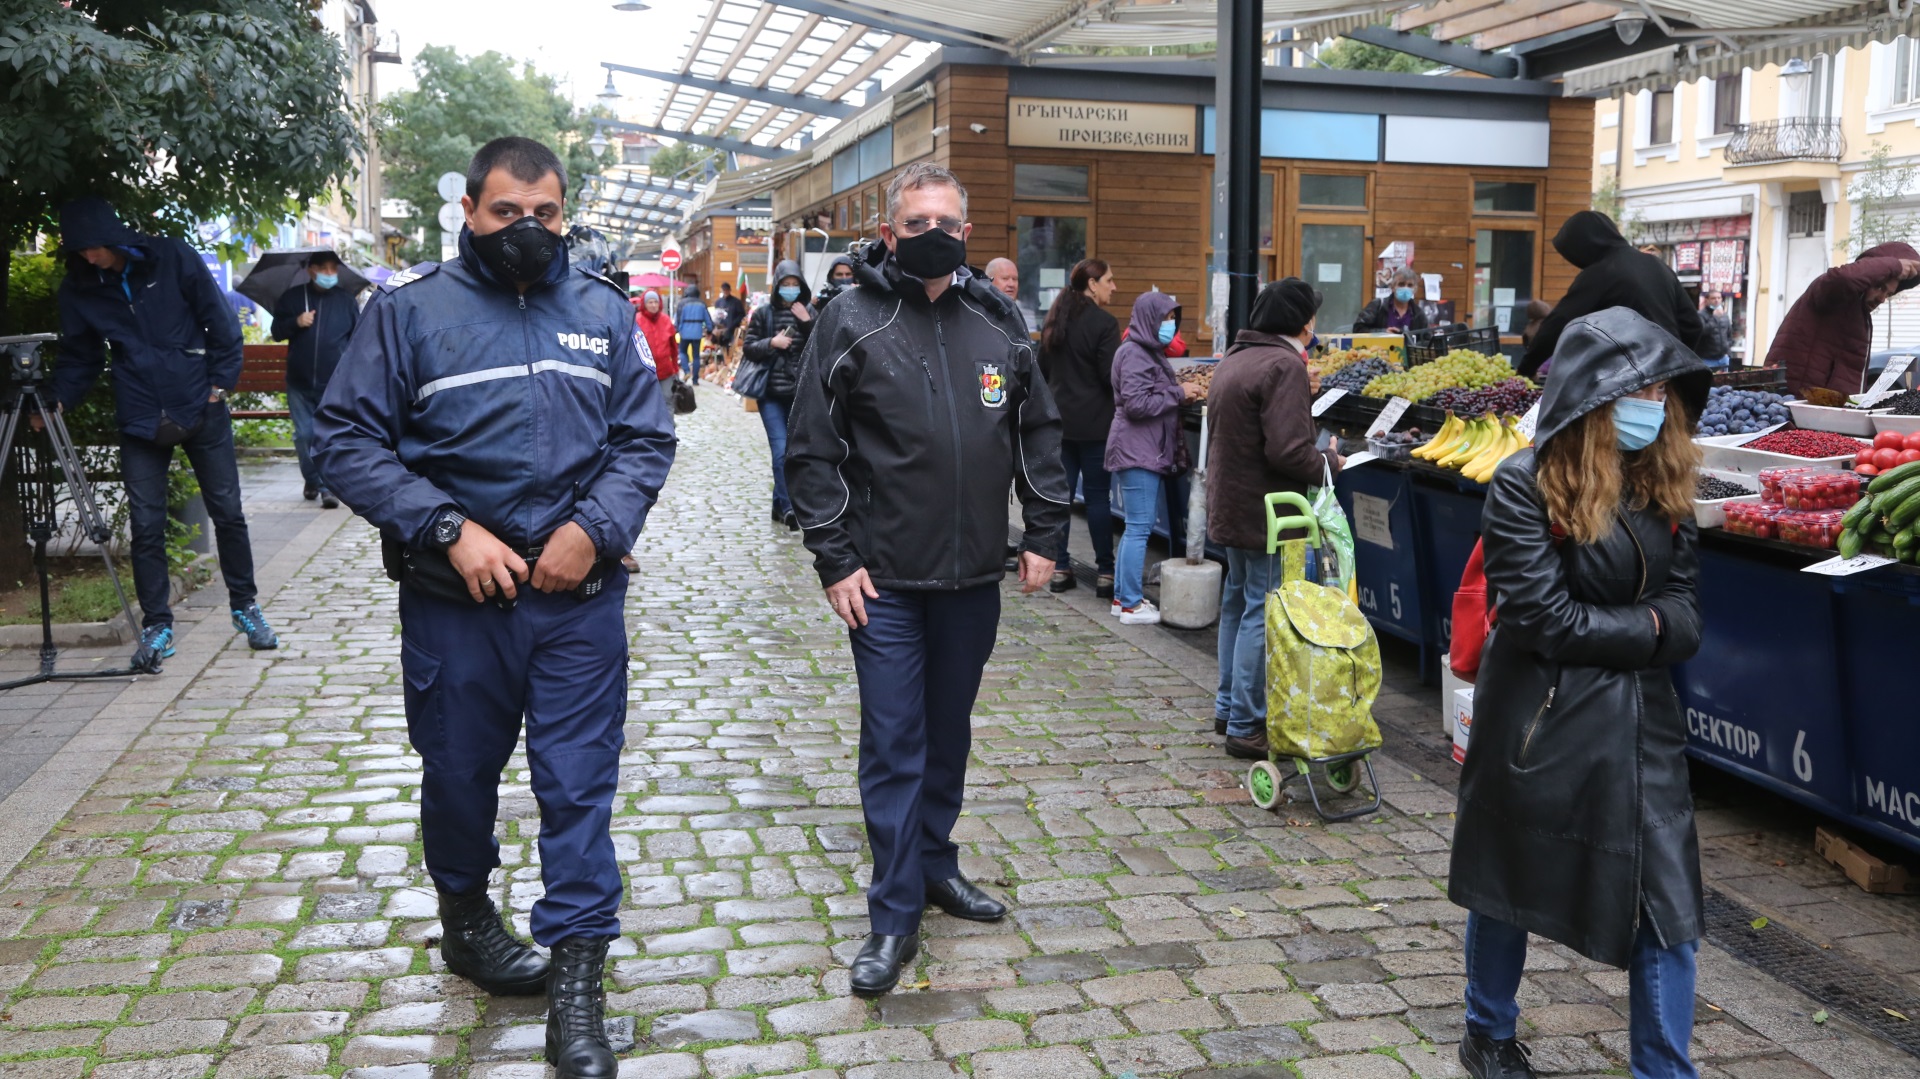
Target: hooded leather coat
{"type": "Point", "coordinates": [1612, 274]}
{"type": "Point", "coordinates": [770, 320]}
{"type": "Point", "coordinates": [1575, 818]}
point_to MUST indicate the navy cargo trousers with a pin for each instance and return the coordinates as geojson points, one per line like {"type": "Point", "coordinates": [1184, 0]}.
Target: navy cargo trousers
{"type": "Point", "coordinates": [473, 672]}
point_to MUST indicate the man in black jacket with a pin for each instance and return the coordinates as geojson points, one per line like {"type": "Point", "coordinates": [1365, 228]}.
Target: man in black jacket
{"type": "Point", "coordinates": [314, 318]}
{"type": "Point", "coordinates": [1612, 274]}
{"type": "Point", "coordinates": [919, 402]}
{"type": "Point", "coordinates": [175, 344]}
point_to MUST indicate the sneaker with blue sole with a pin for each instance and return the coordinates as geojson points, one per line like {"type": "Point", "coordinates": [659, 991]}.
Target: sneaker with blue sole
{"type": "Point", "coordinates": [156, 644]}
{"type": "Point", "coordinates": [252, 621]}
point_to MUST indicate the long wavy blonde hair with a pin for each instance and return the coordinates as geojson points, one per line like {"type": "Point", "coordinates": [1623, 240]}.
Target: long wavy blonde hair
{"type": "Point", "coordinates": [1585, 477]}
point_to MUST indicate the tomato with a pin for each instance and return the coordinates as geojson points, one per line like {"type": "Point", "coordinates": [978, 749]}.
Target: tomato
{"type": "Point", "coordinates": [1913, 440]}
{"type": "Point", "coordinates": [1866, 470]}
{"type": "Point", "coordinates": [1885, 459]}
{"type": "Point", "coordinates": [1889, 440]}
{"type": "Point", "coordinates": [1907, 457]}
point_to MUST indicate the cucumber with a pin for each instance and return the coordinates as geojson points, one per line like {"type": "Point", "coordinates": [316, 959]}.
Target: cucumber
{"type": "Point", "coordinates": [1849, 543]}
{"type": "Point", "coordinates": [1893, 477]}
{"type": "Point", "coordinates": [1858, 512]}
{"type": "Point", "coordinates": [1897, 498]}
{"type": "Point", "coordinates": [1902, 516]}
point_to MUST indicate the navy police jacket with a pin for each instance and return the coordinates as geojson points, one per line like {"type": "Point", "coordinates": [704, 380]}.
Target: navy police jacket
{"type": "Point", "coordinates": [523, 412]}
{"type": "Point", "coordinates": [172, 335]}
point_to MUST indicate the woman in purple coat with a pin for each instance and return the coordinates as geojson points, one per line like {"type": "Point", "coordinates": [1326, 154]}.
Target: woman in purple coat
{"type": "Point", "coordinates": [1145, 444]}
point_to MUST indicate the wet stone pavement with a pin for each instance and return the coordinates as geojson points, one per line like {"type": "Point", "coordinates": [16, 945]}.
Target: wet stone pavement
{"type": "Point", "coordinates": [241, 895]}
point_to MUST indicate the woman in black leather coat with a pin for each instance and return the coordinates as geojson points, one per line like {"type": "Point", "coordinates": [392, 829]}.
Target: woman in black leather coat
{"type": "Point", "coordinates": [1575, 819]}
{"type": "Point", "coordinates": [776, 334]}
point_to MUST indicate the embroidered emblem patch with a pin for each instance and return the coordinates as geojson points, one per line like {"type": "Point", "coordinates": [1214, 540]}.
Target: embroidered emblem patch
{"type": "Point", "coordinates": [646, 353]}
{"type": "Point", "coordinates": [993, 384]}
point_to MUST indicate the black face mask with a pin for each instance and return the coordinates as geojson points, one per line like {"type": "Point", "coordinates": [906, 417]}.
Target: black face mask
{"type": "Point", "coordinates": [521, 252]}
{"type": "Point", "coordinates": [931, 255]}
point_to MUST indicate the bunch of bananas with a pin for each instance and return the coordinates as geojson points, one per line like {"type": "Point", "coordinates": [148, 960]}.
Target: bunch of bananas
{"type": "Point", "coordinates": [1475, 447]}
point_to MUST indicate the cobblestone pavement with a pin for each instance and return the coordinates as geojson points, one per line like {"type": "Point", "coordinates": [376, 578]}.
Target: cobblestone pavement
{"type": "Point", "coordinates": [241, 895]}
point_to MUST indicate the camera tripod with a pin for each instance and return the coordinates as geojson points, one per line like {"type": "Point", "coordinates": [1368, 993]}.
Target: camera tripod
{"type": "Point", "coordinates": [24, 394]}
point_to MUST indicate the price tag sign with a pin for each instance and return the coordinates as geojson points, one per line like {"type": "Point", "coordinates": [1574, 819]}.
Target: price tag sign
{"type": "Point", "coordinates": [1390, 415]}
{"type": "Point", "coordinates": [1326, 401]}
{"type": "Point", "coordinates": [1364, 457]}
{"type": "Point", "coordinates": [1843, 567]}
{"type": "Point", "coordinates": [1528, 422]}
{"type": "Point", "coordinates": [1896, 367]}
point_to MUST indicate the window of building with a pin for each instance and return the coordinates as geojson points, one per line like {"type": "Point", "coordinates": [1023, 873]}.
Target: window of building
{"type": "Point", "coordinates": [1806, 213]}
{"type": "Point", "coordinates": [1333, 259]}
{"type": "Point", "coordinates": [1046, 249]}
{"type": "Point", "coordinates": [1036, 181]}
{"type": "Point", "coordinates": [873, 209]}
{"type": "Point", "coordinates": [1502, 278]}
{"type": "Point", "coordinates": [863, 160]}
{"type": "Point", "coordinates": [1332, 190]}
{"type": "Point", "coordinates": [1904, 90]}
{"type": "Point", "coordinates": [1266, 212]}
{"type": "Point", "coordinates": [1726, 103]}
{"type": "Point", "coordinates": [1505, 197]}
{"type": "Point", "coordinates": [1820, 88]}
{"type": "Point", "coordinates": [1660, 118]}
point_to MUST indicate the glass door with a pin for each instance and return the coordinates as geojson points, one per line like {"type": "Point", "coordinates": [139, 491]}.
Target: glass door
{"type": "Point", "coordinates": [1333, 259]}
{"type": "Point", "coordinates": [1047, 245]}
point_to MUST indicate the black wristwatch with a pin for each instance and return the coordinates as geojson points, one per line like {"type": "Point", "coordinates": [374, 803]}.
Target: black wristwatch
{"type": "Point", "coordinates": [446, 528]}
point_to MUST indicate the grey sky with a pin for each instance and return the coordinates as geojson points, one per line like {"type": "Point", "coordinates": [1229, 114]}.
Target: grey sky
{"type": "Point", "coordinates": [567, 39]}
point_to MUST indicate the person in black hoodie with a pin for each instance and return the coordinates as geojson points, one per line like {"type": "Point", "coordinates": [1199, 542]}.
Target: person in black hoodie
{"type": "Point", "coordinates": [776, 333]}
{"type": "Point", "coordinates": [1077, 343]}
{"type": "Point", "coordinates": [839, 280]}
{"type": "Point", "coordinates": [175, 344]}
{"type": "Point", "coordinates": [314, 318]}
{"type": "Point", "coordinates": [1612, 274]}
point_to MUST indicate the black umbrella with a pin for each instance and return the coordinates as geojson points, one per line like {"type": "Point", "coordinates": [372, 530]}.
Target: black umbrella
{"type": "Point", "coordinates": [278, 271]}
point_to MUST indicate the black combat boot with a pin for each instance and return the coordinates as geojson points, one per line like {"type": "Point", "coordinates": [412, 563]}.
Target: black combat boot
{"type": "Point", "coordinates": [478, 947]}
{"type": "Point", "coordinates": [577, 1045]}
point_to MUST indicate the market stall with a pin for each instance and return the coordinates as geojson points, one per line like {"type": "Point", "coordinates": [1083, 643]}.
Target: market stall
{"type": "Point", "coordinates": [1790, 688]}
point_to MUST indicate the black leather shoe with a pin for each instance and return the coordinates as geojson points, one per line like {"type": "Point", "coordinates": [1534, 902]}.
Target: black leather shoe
{"type": "Point", "coordinates": [310, 493]}
{"type": "Point", "coordinates": [478, 947]}
{"type": "Point", "coordinates": [327, 501]}
{"type": "Point", "coordinates": [1485, 1058]}
{"type": "Point", "coordinates": [876, 970]}
{"type": "Point", "coordinates": [577, 1045]}
{"type": "Point", "coordinates": [1061, 582]}
{"type": "Point", "coordinates": [791, 520]}
{"type": "Point", "coordinates": [959, 897]}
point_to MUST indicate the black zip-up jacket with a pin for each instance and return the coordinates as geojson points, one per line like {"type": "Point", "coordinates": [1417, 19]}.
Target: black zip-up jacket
{"type": "Point", "coordinates": [912, 418]}
{"type": "Point", "coordinates": [767, 322]}
{"type": "Point", "coordinates": [314, 351]}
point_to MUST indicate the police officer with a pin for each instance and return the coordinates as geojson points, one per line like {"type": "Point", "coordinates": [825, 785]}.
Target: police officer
{"type": "Point", "coordinates": [499, 419]}
{"type": "Point", "coordinates": [901, 485]}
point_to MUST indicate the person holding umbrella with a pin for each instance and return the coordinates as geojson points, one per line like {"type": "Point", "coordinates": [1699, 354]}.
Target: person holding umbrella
{"type": "Point", "coordinates": [314, 318]}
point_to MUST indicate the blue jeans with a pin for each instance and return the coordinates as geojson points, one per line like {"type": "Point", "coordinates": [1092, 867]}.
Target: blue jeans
{"type": "Point", "coordinates": [1084, 465]}
{"type": "Point", "coordinates": [301, 403]}
{"type": "Point", "coordinates": [1660, 999]}
{"type": "Point", "coordinates": [918, 660]}
{"type": "Point", "coordinates": [1242, 698]}
{"type": "Point", "coordinates": [1140, 501]}
{"type": "Point", "coordinates": [773, 416]}
{"type": "Point", "coordinates": [690, 359]}
{"type": "Point", "coordinates": [143, 471]}
{"type": "Point", "coordinates": [474, 676]}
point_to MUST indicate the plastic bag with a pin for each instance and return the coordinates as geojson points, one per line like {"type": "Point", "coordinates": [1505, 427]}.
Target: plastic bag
{"type": "Point", "coordinates": [1336, 536]}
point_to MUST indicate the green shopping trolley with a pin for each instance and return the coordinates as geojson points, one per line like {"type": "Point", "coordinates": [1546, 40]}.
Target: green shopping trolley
{"type": "Point", "coordinates": [1323, 674]}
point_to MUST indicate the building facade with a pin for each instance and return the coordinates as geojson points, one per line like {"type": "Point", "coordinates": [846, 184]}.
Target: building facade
{"type": "Point", "coordinates": [1756, 183]}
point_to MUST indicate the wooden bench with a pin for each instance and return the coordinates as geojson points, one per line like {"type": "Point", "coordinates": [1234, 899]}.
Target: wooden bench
{"type": "Point", "coordinates": [263, 369]}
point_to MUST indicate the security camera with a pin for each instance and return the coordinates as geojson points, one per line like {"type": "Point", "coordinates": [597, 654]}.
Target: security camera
{"type": "Point", "coordinates": [939, 131]}
{"type": "Point", "coordinates": [1628, 24]}
{"type": "Point", "coordinates": [978, 129]}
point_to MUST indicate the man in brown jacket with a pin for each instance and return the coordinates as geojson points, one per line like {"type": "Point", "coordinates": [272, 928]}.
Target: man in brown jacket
{"type": "Point", "coordinates": [1263, 441]}
{"type": "Point", "coordinates": [1827, 336]}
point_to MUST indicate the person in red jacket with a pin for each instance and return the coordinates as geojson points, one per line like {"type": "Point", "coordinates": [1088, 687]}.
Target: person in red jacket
{"type": "Point", "coordinates": [1828, 333]}
{"type": "Point", "coordinates": [650, 314]}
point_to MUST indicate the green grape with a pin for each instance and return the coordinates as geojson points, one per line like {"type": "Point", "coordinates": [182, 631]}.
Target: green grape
{"type": "Point", "coordinates": [1464, 369]}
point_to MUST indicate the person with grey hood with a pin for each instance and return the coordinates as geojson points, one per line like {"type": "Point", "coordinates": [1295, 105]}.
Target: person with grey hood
{"type": "Point", "coordinates": [1612, 274]}
{"type": "Point", "coordinates": [1575, 820]}
{"type": "Point", "coordinates": [777, 332]}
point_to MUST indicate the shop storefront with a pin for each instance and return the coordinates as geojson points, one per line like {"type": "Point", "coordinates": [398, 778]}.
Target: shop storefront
{"type": "Point", "coordinates": [1462, 180]}
{"type": "Point", "coordinates": [726, 243]}
{"type": "Point", "coordinates": [1710, 254]}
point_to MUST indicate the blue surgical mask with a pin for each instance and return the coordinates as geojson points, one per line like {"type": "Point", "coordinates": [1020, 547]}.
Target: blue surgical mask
{"type": "Point", "coordinates": [1637, 422]}
{"type": "Point", "coordinates": [789, 293]}
{"type": "Point", "coordinates": [326, 280]}
{"type": "Point", "coordinates": [1404, 295]}
{"type": "Point", "coordinates": [1167, 330]}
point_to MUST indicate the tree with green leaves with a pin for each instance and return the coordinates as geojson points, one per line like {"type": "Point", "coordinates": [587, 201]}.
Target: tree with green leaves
{"type": "Point", "coordinates": [176, 111]}
{"type": "Point", "coordinates": [1347, 54]}
{"type": "Point", "coordinates": [458, 105]}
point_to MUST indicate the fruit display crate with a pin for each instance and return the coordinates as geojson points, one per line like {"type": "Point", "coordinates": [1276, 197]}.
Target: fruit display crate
{"type": "Point", "coordinates": [1729, 454]}
{"type": "Point", "coordinates": [1753, 378]}
{"type": "Point", "coordinates": [1857, 422]}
